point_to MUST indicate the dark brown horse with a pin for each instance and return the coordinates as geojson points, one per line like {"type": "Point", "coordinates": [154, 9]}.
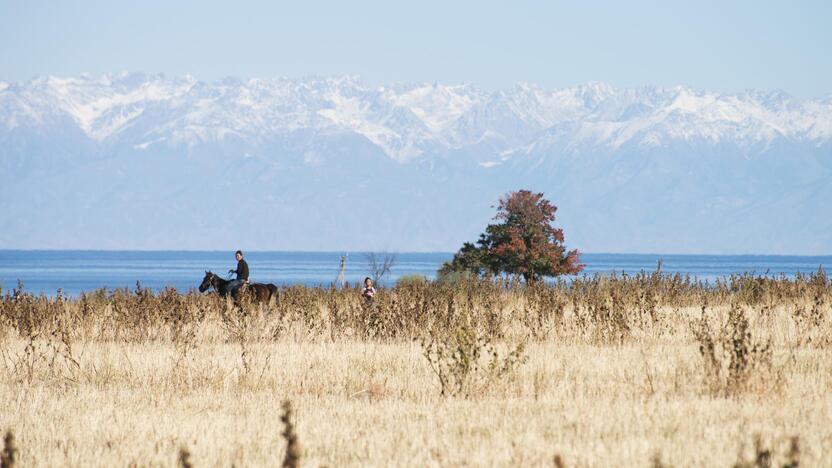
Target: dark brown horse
{"type": "Point", "coordinates": [258, 292]}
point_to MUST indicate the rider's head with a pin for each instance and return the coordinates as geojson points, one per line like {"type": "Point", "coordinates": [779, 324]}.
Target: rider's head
{"type": "Point", "coordinates": [368, 283]}
{"type": "Point", "coordinates": [238, 255]}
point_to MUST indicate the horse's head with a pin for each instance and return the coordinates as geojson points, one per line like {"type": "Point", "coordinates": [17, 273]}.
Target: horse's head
{"type": "Point", "coordinates": [207, 281]}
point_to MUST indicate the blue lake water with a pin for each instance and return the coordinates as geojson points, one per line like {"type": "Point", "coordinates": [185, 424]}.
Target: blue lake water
{"type": "Point", "coordinates": [75, 271]}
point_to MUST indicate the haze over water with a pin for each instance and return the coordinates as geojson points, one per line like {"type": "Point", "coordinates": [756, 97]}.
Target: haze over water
{"type": "Point", "coordinates": [76, 271]}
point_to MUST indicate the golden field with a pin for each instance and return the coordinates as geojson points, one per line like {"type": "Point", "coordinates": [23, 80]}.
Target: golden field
{"type": "Point", "coordinates": [652, 370]}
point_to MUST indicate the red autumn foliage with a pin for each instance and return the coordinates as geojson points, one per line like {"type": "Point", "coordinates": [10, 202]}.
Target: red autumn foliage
{"type": "Point", "coordinates": [524, 242]}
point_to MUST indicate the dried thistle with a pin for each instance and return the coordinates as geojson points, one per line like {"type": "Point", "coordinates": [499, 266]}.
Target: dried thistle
{"type": "Point", "coordinates": [292, 457]}
{"type": "Point", "coordinates": [9, 454]}
{"type": "Point", "coordinates": [793, 457]}
{"type": "Point", "coordinates": [185, 458]}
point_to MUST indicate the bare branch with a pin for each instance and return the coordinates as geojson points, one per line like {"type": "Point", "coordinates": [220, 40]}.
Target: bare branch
{"type": "Point", "coordinates": [380, 265]}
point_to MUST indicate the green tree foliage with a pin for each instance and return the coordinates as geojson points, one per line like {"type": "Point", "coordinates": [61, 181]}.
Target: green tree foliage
{"type": "Point", "coordinates": [522, 242]}
{"type": "Point", "coordinates": [470, 258]}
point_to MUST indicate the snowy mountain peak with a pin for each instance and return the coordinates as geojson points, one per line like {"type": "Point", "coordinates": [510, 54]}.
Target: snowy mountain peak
{"type": "Point", "coordinates": [407, 121]}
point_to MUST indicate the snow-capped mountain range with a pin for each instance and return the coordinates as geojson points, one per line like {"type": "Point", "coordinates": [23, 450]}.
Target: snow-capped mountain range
{"type": "Point", "coordinates": [145, 161]}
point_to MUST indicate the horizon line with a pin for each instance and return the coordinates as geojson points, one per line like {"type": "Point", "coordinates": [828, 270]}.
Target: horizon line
{"type": "Point", "coordinates": [347, 252]}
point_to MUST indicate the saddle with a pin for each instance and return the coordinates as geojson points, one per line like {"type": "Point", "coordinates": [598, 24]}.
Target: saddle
{"type": "Point", "coordinates": [239, 289]}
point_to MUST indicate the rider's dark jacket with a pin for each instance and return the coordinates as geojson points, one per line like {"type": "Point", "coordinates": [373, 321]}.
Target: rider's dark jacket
{"type": "Point", "coordinates": [242, 270]}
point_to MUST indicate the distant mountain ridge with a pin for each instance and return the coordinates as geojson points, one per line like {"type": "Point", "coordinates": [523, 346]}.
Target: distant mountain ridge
{"type": "Point", "coordinates": [144, 161]}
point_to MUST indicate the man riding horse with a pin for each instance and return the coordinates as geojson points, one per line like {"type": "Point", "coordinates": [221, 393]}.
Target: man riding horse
{"type": "Point", "coordinates": [257, 291]}
{"type": "Point", "coordinates": [241, 271]}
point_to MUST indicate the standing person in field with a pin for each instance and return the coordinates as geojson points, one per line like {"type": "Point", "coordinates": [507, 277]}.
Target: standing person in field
{"type": "Point", "coordinates": [241, 271]}
{"type": "Point", "coordinates": [369, 292]}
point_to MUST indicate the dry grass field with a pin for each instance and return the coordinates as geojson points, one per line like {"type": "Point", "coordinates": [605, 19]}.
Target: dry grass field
{"type": "Point", "coordinates": [651, 370]}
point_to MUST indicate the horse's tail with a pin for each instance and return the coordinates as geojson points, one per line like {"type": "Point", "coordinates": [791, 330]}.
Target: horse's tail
{"type": "Point", "coordinates": [272, 291]}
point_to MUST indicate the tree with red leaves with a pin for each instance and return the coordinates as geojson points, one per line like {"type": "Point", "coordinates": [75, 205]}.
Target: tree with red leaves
{"type": "Point", "coordinates": [523, 242]}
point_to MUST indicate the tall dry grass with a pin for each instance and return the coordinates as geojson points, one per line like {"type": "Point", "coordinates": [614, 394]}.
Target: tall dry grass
{"type": "Point", "coordinates": [600, 371]}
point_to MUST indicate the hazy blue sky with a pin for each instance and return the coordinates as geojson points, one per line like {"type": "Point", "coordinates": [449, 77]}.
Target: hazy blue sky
{"type": "Point", "coordinates": [720, 45]}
